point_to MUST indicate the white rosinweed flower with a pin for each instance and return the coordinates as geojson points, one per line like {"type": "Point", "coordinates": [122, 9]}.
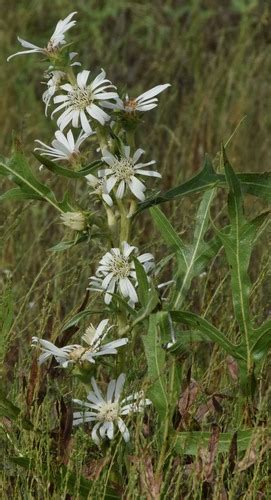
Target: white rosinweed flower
{"type": "Point", "coordinates": [116, 272]}
{"type": "Point", "coordinates": [144, 102]}
{"type": "Point", "coordinates": [108, 411]}
{"type": "Point", "coordinates": [64, 147]}
{"type": "Point", "coordinates": [57, 39]}
{"type": "Point", "coordinates": [76, 353]}
{"type": "Point", "coordinates": [123, 173]}
{"type": "Point", "coordinates": [78, 105]}
{"type": "Point", "coordinates": [99, 188]}
{"type": "Point", "coordinates": [74, 220]}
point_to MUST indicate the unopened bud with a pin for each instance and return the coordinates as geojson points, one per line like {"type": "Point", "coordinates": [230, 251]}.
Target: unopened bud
{"type": "Point", "coordinates": [74, 220]}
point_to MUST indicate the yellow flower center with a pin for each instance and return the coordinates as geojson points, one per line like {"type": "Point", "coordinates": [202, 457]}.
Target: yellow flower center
{"type": "Point", "coordinates": [123, 169]}
{"type": "Point", "coordinates": [79, 99]}
{"type": "Point", "coordinates": [108, 412]}
{"type": "Point", "coordinates": [120, 267]}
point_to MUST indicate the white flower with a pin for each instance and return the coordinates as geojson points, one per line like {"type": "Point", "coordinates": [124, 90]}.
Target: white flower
{"type": "Point", "coordinates": [57, 39]}
{"type": "Point", "coordinates": [74, 220]}
{"type": "Point", "coordinates": [108, 411]}
{"type": "Point", "coordinates": [63, 147]}
{"type": "Point", "coordinates": [99, 188]}
{"type": "Point", "coordinates": [144, 102]}
{"type": "Point", "coordinates": [76, 353]}
{"type": "Point", "coordinates": [117, 271]}
{"type": "Point", "coordinates": [79, 101]}
{"type": "Point", "coordinates": [123, 172]}
{"type": "Point", "coordinates": [54, 80]}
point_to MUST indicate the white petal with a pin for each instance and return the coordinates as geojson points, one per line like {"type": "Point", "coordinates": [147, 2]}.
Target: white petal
{"type": "Point", "coordinates": [119, 386]}
{"type": "Point", "coordinates": [85, 124]}
{"type": "Point", "coordinates": [121, 189]}
{"type": "Point", "coordinates": [152, 92]}
{"type": "Point", "coordinates": [94, 434]}
{"type": "Point", "coordinates": [123, 429]}
{"type": "Point", "coordinates": [138, 154]}
{"type": "Point", "coordinates": [82, 78]}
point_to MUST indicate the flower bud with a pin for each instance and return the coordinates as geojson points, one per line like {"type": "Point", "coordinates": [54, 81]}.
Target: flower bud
{"type": "Point", "coordinates": [74, 220]}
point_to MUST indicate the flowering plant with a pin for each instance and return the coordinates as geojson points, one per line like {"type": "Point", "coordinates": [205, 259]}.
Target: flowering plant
{"type": "Point", "coordinates": [95, 144]}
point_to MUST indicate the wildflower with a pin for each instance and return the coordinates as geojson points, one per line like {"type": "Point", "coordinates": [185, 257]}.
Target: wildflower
{"type": "Point", "coordinates": [108, 411]}
{"type": "Point", "coordinates": [123, 173]}
{"type": "Point", "coordinates": [72, 354]}
{"type": "Point", "coordinates": [54, 80]}
{"type": "Point", "coordinates": [74, 220]}
{"type": "Point", "coordinates": [144, 102]}
{"type": "Point", "coordinates": [79, 101]}
{"type": "Point", "coordinates": [63, 147]}
{"type": "Point", "coordinates": [57, 39]}
{"type": "Point", "coordinates": [117, 271]}
{"type": "Point", "coordinates": [99, 188]}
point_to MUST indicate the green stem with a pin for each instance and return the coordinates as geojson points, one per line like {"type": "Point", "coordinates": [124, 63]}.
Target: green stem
{"type": "Point", "coordinates": [124, 222]}
{"type": "Point", "coordinates": [165, 423]}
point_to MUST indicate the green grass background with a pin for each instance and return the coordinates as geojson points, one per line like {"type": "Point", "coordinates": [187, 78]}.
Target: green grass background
{"type": "Point", "coordinates": [217, 57]}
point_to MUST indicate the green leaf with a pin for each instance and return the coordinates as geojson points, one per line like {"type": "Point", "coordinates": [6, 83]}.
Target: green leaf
{"type": "Point", "coordinates": [65, 172]}
{"type": "Point", "coordinates": [238, 244]}
{"type": "Point", "coordinates": [153, 301]}
{"type": "Point", "coordinates": [22, 175]}
{"type": "Point", "coordinates": [155, 356]}
{"type": "Point", "coordinates": [119, 304]}
{"type": "Point", "coordinates": [184, 339]}
{"type": "Point", "coordinates": [206, 328]}
{"type": "Point", "coordinates": [89, 169]}
{"type": "Point", "coordinates": [261, 340]}
{"type": "Point", "coordinates": [189, 443]}
{"type": "Point", "coordinates": [53, 167]}
{"type": "Point", "coordinates": [191, 257]}
{"type": "Point", "coordinates": [143, 284]}
{"type": "Point", "coordinates": [17, 194]}
{"type": "Point", "coordinates": [169, 234]}
{"type": "Point", "coordinates": [199, 252]}
{"type": "Point", "coordinates": [255, 184]}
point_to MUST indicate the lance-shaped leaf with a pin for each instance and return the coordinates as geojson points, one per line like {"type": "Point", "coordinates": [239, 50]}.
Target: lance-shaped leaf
{"type": "Point", "coordinates": [155, 354]}
{"type": "Point", "coordinates": [143, 283]}
{"type": "Point", "coordinates": [191, 257]}
{"type": "Point", "coordinates": [255, 184]}
{"type": "Point", "coordinates": [189, 443]}
{"type": "Point", "coordinates": [210, 331]}
{"type": "Point", "coordinates": [20, 172]}
{"type": "Point", "coordinates": [238, 243]}
{"type": "Point", "coordinates": [66, 172]}
{"type": "Point", "coordinates": [184, 339]}
{"type": "Point", "coordinates": [261, 340]}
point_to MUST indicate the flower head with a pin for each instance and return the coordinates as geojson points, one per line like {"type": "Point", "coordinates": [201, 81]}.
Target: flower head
{"type": "Point", "coordinates": [79, 101]}
{"type": "Point", "coordinates": [144, 102]}
{"type": "Point", "coordinates": [63, 147]}
{"type": "Point", "coordinates": [57, 39]}
{"type": "Point", "coordinates": [76, 353]}
{"type": "Point", "coordinates": [123, 173]}
{"type": "Point", "coordinates": [74, 220]}
{"type": "Point", "coordinates": [108, 411]}
{"type": "Point", "coordinates": [117, 271]}
{"type": "Point", "coordinates": [99, 188]}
